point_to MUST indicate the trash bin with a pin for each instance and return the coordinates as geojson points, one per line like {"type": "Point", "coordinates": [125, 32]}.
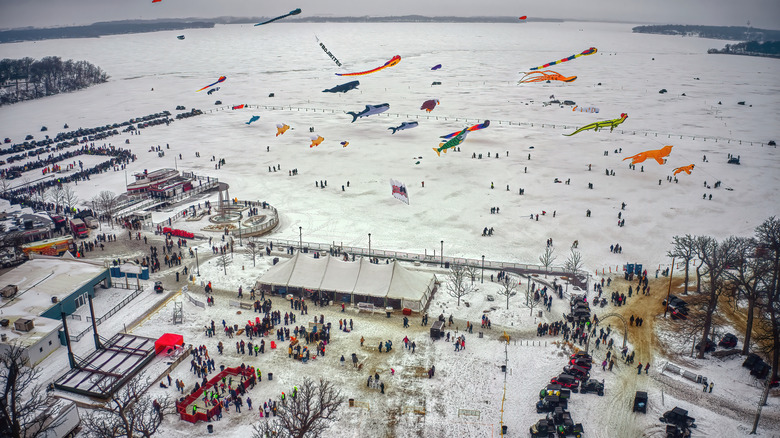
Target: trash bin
{"type": "Point", "coordinates": [446, 265]}
{"type": "Point", "coordinates": [480, 334]}
{"type": "Point", "coordinates": [222, 367]}
{"type": "Point", "coordinates": [351, 402]}
{"type": "Point", "coordinates": [503, 368]}
{"type": "Point", "coordinates": [210, 428]}
{"type": "Point", "coordinates": [388, 310]}
{"type": "Point", "coordinates": [270, 376]}
{"type": "Point", "coordinates": [503, 430]}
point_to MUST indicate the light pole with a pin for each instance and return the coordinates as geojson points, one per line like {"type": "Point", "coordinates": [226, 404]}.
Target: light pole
{"type": "Point", "coordinates": [300, 239]}
{"type": "Point", "coordinates": [240, 216]}
{"type": "Point", "coordinates": [442, 253]}
{"type": "Point", "coordinates": [483, 269]}
{"type": "Point", "coordinates": [369, 246]}
{"type": "Point", "coordinates": [197, 265]}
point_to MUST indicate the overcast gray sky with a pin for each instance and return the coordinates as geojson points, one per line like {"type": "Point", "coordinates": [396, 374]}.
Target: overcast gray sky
{"type": "Point", "coordinates": [760, 13]}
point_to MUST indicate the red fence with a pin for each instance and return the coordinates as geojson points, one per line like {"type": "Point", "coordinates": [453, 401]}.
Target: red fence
{"type": "Point", "coordinates": [181, 407]}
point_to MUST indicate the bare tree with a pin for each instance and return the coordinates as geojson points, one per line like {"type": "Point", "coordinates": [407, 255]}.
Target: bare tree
{"type": "Point", "coordinates": [532, 298]}
{"type": "Point", "coordinates": [716, 257]}
{"type": "Point", "coordinates": [54, 195]}
{"type": "Point", "coordinates": [458, 285]}
{"type": "Point", "coordinates": [746, 274]}
{"type": "Point", "coordinates": [768, 235]}
{"type": "Point", "coordinates": [684, 249]}
{"type": "Point", "coordinates": [508, 288]}
{"type": "Point", "coordinates": [574, 262]}
{"type": "Point", "coordinates": [106, 203]}
{"type": "Point", "coordinates": [25, 411]}
{"type": "Point", "coordinates": [547, 259]}
{"type": "Point", "coordinates": [254, 249]}
{"type": "Point", "coordinates": [5, 185]}
{"type": "Point", "coordinates": [224, 261]}
{"type": "Point", "coordinates": [130, 412]}
{"type": "Point", "coordinates": [308, 414]}
{"type": "Point", "coordinates": [69, 197]}
{"type": "Point", "coordinates": [472, 271]}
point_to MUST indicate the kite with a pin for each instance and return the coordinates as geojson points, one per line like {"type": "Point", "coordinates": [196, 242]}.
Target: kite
{"type": "Point", "coordinates": [221, 79]}
{"type": "Point", "coordinates": [327, 52]}
{"type": "Point", "coordinates": [436, 67]}
{"type": "Point", "coordinates": [253, 119]}
{"type": "Point", "coordinates": [657, 154]}
{"type": "Point", "coordinates": [469, 129]}
{"type": "Point", "coordinates": [458, 139]}
{"type": "Point", "coordinates": [281, 129]}
{"type": "Point", "coordinates": [393, 61]}
{"type": "Point", "coordinates": [602, 124]}
{"type": "Point", "coordinates": [235, 107]}
{"type": "Point", "coordinates": [404, 125]}
{"type": "Point", "coordinates": [156, 1]}
{"type": "Point", "coordinates": [546, 75]}
{"type": "Point", "coordinates": [369, 111]}
{"type": "Point", "coordinates": [586, 109]}
{"type": "Point", "coordinates": [344, 143]}
{"type": "Point", "coordinates": [399, 191]}
{"type": "Point", "coordinates": [590, 51]}
{"type": "Point", "coordinates": [343, 88]}
{"type": "Point", "coordinates": [295, 12]}
{"type": "Point", "coordinates": [687, 169]}
{"type": "Point", "coordinates": [315, 140]}
{"type": "Point", "coordinates": [523, 17]}
{"type": "Point", "coordinates": [429, 105]}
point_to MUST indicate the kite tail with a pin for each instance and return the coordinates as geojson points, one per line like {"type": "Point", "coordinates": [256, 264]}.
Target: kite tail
{"type": "Point", "coordinates": [628, 158]}
{"type": "Point", "coordinates": [394, 129]}
{"type": "Point", "coordinates": [354, 116]}
{"type": "Point", "coordinates": [438, 151]}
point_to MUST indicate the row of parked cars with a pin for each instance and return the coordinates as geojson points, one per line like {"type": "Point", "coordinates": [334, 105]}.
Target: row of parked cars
{"type": "Point", "coordinates": [554, 398]}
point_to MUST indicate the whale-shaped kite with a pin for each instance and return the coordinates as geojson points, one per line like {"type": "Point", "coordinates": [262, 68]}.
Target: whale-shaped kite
{"type": "Point", "coordinates": [370, 111]}
{"type": "Point", "coordinates": [404, 125]}
{"type": "Point", "coordinates": [253, 119]}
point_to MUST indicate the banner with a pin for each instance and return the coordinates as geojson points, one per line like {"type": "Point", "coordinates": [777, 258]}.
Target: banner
{"type": "Point", "coordinates": [399, 191]}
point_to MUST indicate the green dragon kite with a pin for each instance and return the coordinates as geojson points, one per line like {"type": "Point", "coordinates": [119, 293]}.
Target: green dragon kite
{"type": "Point", "coordinates": [602, 124]}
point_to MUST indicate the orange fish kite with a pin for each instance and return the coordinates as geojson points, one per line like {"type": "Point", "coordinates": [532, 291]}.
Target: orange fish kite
{"type": "Point", "coordinates": [281, 129]}
{"type": "Point", "coordinates": [687, 169]}
{"type": "Point", "coordinates": [316, 140]}
{"type": "Point", "coordinates": [658, 155]}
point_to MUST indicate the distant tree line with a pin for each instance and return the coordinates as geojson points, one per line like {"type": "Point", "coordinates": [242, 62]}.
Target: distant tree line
{"type": "Point", "coordinates": [734, 33]}
{"type": "Point", "coordinates": [28, 78]}
{"type": "Point", "coordinates": [95, 30]}
{"type": "Point", "coordinates": [752, 48]}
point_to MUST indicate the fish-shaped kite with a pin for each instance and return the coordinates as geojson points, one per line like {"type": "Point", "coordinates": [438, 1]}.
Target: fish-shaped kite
{"type": "Point", "coordinates": [602, 124]}
{"type": "Point", "coordinates": [393, 61]}
{"type": "Point", "coordinates": [316, 140]}
{"type": "Point", "coordinates": [343, 88]}
{"type": "Point", "coordinates": [657, 154]}
{"type": "Point", "coordinates": [293, 12]}
{"type": "Point", "coordinates": [369, 111]}
{"type": "Point", "coordinates": [436, 67]}
{"type": "Point", "coordinates": [281, 129]}
{"type": "Point", "coordinates": [590, 51]}
{"type": "Point", "coordinates": [253, 119]}
{"type": "Point", "coordinates": [404, 125]}
{"type": "Point", "coordinates": [344, 143]}
{"type": "Point", "coordinates": [221, 79]}
{"type": "Point", "coordinates": [482, 125]}
{"type": "Point", "coordinates": [458, 139]}
{"type": "Point", "coordinates": [429, 105]}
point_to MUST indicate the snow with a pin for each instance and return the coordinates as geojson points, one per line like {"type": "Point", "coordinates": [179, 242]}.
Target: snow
{"type": "Point", "coordinates": [480, 69]}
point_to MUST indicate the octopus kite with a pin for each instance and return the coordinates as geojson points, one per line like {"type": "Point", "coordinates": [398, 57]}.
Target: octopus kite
{"type": "Point", "coordinates": [590, 51]}
{"type": "Point", "coordinates": [392, 62]}
{"type": "Point", "coordinates": [657, 154]}
{"type": "Point", "coordinates": [687, 169]}
{"type": "Point", "coordinates": [546, 75]}
{"type": "Point", "coordinates": [602, 124]}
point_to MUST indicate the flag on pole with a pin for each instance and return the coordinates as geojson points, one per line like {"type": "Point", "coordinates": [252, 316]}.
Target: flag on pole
{"type": "Point", "coordinates": [399, 191]}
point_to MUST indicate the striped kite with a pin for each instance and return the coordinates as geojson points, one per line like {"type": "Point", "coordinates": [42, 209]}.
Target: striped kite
{"type": "Point", "coordinates": [472, 128]}
{"type": "Point", "coordinates": [392, 62]}
{"type": "Point", "coordinates": [293, 12]}
{"type": "Point", "coordinates": [221, 79]}
{"type": "Point", "coordinates": [590, 51]}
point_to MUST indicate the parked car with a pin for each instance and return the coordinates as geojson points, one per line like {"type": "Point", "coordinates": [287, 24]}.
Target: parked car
{"type": "Point", "coordinates": [582, 362]}
{"type": "Point", "coordinates": [550, 403]}
{"type": "Point", "coordinates": [640, 402]}
{"type": "Point", "coordinates": [577, 371]}
{"type": "Point", "coordinates": [158, 287]}
{"type": "Point", "coordinates": [583, 354]}
{"type": "Point", "coordinates": [553, 389]}
{"type": "Point", "coordinates": [678, 417]}
{"type": "Point", "coordinates": [728, 341]}
{"type": "Point", "coordinates": [567, 381]}
{"type": "Point", "coordinates": [592, 386]}
{"type": "Point", "coordinates": [674, 301]}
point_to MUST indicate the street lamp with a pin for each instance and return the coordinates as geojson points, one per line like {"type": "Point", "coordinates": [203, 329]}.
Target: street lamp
{"type": "Point", "coordinates": [483, 269]}
{"type": "Point", "coordinates": [369, 245]}
{"type": "Point", "coordinates": [442, 253]}
{"type": "Point", "coordinates": [197, 265]}
{"type": "Point", "coordinates": [300, 239]}
{"type": "Point", "coordinates": [240, 216]}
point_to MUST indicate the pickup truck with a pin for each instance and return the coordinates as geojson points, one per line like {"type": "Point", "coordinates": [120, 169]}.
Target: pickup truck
{"type": "Point", "coordinates": [79, 228]}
